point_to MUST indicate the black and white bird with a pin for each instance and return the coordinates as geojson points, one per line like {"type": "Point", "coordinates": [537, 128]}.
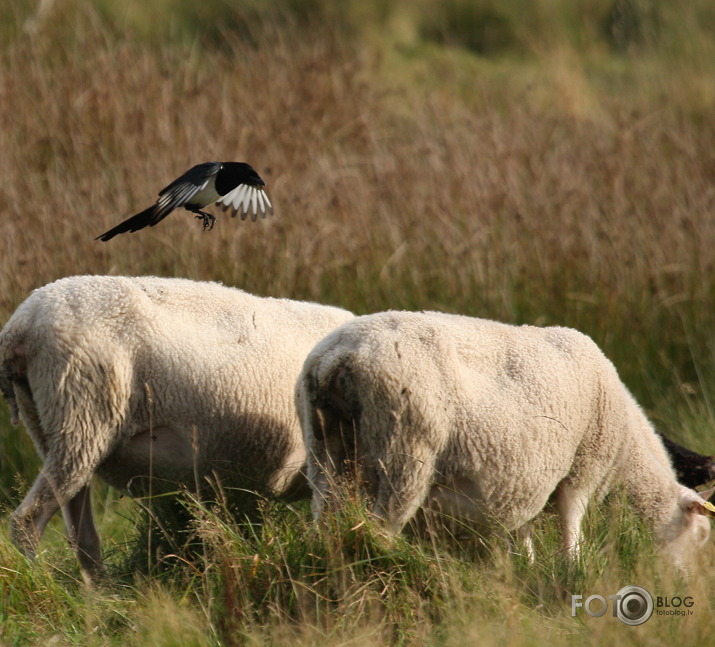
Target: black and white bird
{"type": "Point", "coordinates": [231, 185]}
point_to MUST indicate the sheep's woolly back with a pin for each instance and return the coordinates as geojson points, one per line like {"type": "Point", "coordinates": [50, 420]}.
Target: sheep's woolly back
{"type": "Point", "coordinates": [518, 413]}
{"type": "Point", "coordinates": [107, 359]}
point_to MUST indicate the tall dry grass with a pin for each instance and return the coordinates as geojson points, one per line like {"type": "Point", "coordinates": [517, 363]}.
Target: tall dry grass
{"type": "Point", "coordinates": [545, 199]}
{"type": "Point", "coordinates": [551, 185]}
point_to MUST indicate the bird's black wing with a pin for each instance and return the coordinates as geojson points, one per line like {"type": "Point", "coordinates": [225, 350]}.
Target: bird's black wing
{"type": "Point", "coordinates": [241, 190]}
{"type": "Point", "coordinates": [183, 188]}
{"type": "Point", "coordinates": [174, 195]}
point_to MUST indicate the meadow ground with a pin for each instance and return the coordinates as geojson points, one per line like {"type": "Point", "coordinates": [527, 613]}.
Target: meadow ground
{"type": "Point", "coordinates": [523, 161]}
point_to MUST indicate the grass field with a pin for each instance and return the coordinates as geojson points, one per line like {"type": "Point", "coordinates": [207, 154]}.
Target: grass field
{"type": "Point", "coordinates": [524, 161]}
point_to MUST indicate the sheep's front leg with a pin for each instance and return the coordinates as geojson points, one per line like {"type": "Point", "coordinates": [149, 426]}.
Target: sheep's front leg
{"type": "Point", "coordinates": [83, 535]}
{"type": "Point", "coordinates": [571, 506]}
{"type": "Point", "coordinates": [524, 537]}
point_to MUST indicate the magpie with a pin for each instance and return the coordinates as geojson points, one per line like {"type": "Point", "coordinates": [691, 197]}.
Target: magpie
{"type": "Point", "coordinates": [234, 185]}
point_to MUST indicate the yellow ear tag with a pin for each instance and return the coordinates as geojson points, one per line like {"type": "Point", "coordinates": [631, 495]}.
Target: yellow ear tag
{"type": "Point", "coordinates": [709, 509]}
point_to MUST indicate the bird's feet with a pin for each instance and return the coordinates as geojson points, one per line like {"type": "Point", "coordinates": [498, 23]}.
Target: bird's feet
{"type": "Point", "coordinates": [209, 220]}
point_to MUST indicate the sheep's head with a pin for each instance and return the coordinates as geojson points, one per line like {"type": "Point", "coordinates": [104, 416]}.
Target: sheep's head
{"type": "Point", "coordinates": [689, 528]}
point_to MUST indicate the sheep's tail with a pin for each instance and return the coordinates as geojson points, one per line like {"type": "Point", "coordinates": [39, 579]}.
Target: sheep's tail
{"type": "Point", "coordinates": [8, 392]}
{"type": "Point", "coordinates": [13, 367]}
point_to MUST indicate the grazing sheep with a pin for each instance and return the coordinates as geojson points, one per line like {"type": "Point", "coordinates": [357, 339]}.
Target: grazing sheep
{"type": "Point", "coordinates": [169, 379]}
{"type": "Point", "coordinates": [485, 422]}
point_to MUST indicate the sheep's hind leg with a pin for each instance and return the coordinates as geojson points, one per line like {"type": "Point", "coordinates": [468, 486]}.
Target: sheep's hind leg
{"type": "Point", "coordinates": [403, 488]}
{"type": "Point", "coordinates": [327, 451]}
{"type": "Point", "coordinates": [82, 534]}
{"type": "Point", "coordinates": [54, 488]}
{"type": "Point", "coordinates": [28, 522]}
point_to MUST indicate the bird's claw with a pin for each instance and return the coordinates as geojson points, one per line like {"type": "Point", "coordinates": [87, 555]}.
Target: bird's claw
{"type": "Point", "coordinates": [208, 220]}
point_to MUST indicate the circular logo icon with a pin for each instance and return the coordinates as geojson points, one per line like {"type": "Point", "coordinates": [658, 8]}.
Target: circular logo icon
{"type": "Point", "coordinates": [634, 605]}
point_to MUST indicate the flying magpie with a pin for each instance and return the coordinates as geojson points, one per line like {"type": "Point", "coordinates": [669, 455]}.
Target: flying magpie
{"type": "Point", "coordinates": [234, 185]}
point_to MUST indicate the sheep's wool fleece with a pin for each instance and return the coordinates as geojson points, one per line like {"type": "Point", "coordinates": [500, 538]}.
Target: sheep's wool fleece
{"type": "Point", "coordinates": [205, 371]}
{"type": "Point", "coordinates": [514, 410]}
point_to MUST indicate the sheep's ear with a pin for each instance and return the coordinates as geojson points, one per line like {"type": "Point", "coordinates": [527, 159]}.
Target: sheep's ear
{"type": "Point", "coordinates": [706, 489]}
{"type": "Point", "coordinates": [706, 494]}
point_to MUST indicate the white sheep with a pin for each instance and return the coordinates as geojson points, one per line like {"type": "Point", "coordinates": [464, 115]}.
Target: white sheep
{"type": "Point", "coordinates": [485, 422]}
{"type": "Point", "coordinates": [170, 379]}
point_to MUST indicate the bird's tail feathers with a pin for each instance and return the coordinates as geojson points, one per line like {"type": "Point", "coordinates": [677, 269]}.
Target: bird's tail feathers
{"type": "Point", "coordinates": [147, 218]}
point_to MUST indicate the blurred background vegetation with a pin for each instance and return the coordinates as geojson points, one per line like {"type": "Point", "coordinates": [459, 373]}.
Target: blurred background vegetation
{"type": "Point", "coordinates": [543, 161]}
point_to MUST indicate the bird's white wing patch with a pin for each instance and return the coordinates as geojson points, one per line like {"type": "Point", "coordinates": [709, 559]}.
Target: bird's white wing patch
{"type": "Point", "coordinates": [254, 203]}
{"type": "Point", "coordinates": [246, 202]}
{"type": "Point", "coordinates": [266, 206]}
{"type": "Point", "coordinates": [246, 199]}
{"type": "Point", "coordinates": [238, 195]}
